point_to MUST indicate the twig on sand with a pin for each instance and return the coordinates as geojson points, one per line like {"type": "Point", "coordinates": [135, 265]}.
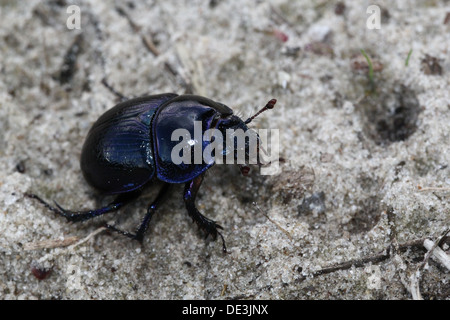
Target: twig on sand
{"type": "Point", "coordinates": [376, 258]}
{"type": "Point", "coordinates": [416, 275]}
{"type": "Point", "coordinates": [69, 241]}
{"type": "Point", "coordinates": [438, 254]}
{"type": "Point", "coordinates": [150, 45]}
{"type": "Point", "coordinates": [433, 189]}
{"type": "Point", "coordinates": [50, 244]}
{"type": "Point", "coordinates": [276, 224]}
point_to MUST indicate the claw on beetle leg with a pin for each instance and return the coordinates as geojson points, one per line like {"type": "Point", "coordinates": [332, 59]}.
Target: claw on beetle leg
{"type": "Point", "coordinates": [224, 247]}
{"type": "Point", "coordinates": [124, 233]}
{"type": "Point", "coordinates": [212, 230]}
{"type": "Point", "coordinates": [207, 225]}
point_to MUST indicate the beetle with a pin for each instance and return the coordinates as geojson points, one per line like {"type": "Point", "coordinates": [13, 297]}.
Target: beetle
{"type": "Point", "coordinates": [129, 147]}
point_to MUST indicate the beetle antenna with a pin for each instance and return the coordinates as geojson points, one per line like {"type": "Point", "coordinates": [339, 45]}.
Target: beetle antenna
{"type": "Point", "coordinates": [268, 106]}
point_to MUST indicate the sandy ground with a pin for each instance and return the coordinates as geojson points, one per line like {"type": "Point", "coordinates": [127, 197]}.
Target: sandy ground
{"type": "Point", "coordinates": [365, 163]}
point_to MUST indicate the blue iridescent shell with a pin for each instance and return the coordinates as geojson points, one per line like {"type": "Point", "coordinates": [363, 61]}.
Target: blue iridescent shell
{"type": "Point", "coordinates": [131, 143]}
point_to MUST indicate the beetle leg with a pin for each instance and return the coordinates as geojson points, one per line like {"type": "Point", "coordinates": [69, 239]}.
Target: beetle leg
{"type": "Point", "coordinates": [139, 235]}
{"type": "Point", "coordinates": [76, 216]}
{"type": "Point", "coordinates": [207, 225]}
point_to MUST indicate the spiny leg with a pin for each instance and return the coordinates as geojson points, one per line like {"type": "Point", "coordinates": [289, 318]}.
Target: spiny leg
{"type": "Point", "coordinates": [76, 216]}
{"type": "Point", "coordinates": [139, 235]}
{"type": "Point", "coordinates": [207, 225]}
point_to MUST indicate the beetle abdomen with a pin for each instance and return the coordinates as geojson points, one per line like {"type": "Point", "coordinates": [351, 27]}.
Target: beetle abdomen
{"type": "Point", "coordinates": [117, 155]}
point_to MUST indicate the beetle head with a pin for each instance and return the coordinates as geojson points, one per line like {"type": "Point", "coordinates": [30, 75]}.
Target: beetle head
{"type": "Point", "coordinates": [241, 145]}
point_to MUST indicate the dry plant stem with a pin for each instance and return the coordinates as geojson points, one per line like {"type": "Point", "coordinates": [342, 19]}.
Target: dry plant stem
{"type": "Point", "coordinates": [377, 258]}
{"type": "Point", "coordinates": [145, 39]}
{"type": "Point", "coordinates": [414, 285]}
{"type": "Point", "coordinates": [50, 244]}
{"type": "Point", "coordinates": [437, 243]}
{"type": "Point", "coordinates": [434, 189]}
{"type": "Point", "coordinates": [438, 254]}
{"type": "Point", "coordinates": [89, 236]}
{"type": "Point", "coordinates": [70, 241]}
{"type": "Point", "coordinates": [282, 18]}
{"type": "Point", "coordinates": [416, 275]}
{"type": "Point", "coordinates": [276, 224]}
{"type": "Point", "coordinates": [225, 286]}
{"type": "Point", "coordinates": [149, 44]}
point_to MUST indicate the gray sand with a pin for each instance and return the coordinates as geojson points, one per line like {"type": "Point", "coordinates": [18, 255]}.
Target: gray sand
{"type": "Point", "coordinates": [365, 166]}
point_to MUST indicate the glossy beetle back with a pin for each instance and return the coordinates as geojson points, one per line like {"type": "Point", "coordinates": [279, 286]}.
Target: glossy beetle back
{"type": "Point", "coordinates": [117, 155]}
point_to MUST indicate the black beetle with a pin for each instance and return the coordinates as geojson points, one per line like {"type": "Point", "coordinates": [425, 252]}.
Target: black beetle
{"type": "Point", "coordinates": [130, 145]}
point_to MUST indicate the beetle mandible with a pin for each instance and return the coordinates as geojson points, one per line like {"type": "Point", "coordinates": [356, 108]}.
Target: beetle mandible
{"type": "Point", "coordinates": [129, 147]}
